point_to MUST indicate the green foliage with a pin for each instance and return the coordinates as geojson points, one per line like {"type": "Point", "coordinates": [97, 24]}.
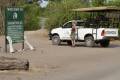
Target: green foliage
{"type": "Point", "coordinates": [114, 3]}
{"type": "Point", "coordinates": [98, 2]}
{"type": "Point", "coordinates": [32, 14]}
{"type": "Point", "coordinates": [60, 12]}
{"type": "Point", "coordinates": [57, 12]}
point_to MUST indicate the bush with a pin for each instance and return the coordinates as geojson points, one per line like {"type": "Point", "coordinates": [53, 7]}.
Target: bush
{"type": "Point", "coordinates": [32, 15]}
{"type": "Point", "coordinates": [60, 12]}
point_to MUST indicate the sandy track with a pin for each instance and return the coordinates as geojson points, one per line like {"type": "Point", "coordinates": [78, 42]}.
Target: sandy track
{"type": "Point", "coordinates": [63, 62]}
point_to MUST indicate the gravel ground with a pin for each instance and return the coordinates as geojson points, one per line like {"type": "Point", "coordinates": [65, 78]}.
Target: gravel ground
{"type": "Point", "coordinates": [48, 62]}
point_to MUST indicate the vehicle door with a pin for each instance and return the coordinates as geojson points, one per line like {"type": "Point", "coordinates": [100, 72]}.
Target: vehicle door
{"type": "Point", "coordinates": [66, 30]}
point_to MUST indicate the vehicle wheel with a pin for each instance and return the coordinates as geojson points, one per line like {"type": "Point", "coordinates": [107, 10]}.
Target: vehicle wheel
{"type": "Point", "coordinates": [89, 41]}
{"type": "Point", "coordinates": [104, 43]}
{"type": "Point", "coordinates": [55, 40]}
{"type": "Point", "coordinates": [69, 42]}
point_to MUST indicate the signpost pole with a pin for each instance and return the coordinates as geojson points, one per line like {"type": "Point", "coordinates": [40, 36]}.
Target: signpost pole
{"type": "Point", "coordinates": [5, 31]}
{"type": "Point", "coordinates": [5, 44]}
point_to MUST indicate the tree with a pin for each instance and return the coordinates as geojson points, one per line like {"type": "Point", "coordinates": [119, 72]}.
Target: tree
{"type": "Point", "coordinates": [114, 3]}
{"type": "Point", "coordinates": [98, 2]}
{"type": "Point", "coordinates": [60, 12]}
{"type": "Point", "coordinates": [32, 15]}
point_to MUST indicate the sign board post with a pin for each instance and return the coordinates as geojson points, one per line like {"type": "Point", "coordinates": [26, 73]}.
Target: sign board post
{"type": "Point", "coordinates": [14, 25]}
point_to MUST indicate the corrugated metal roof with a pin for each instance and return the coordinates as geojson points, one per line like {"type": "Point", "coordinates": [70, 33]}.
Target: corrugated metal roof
{"type": "Point", "coordinates": [93, 9]}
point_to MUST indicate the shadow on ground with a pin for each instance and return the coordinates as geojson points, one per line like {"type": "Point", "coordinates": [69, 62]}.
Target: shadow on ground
{"type": "Point", "coordinates": [96, 45]}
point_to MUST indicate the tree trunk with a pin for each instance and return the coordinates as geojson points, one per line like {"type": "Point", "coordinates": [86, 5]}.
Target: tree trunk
{"type": "Point", "coordinates": [13, 64]}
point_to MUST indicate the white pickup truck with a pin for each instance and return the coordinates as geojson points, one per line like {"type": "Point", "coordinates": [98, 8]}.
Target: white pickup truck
{"type": "Point", "coordinates": [89, 35]}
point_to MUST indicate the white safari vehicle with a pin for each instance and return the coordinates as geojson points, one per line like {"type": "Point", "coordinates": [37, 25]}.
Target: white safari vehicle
{"type": "Point", "coordinates": [90, 31]}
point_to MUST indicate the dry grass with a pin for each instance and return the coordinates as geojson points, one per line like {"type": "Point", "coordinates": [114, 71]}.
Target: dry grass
{"type": "Point", "coordinates": [38, 33]}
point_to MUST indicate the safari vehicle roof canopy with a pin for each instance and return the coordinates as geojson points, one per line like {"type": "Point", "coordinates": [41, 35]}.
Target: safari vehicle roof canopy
{"type": "Point", "coordinates": [109, 15]}
{"type": "Point", "coordinates": [97, 9]}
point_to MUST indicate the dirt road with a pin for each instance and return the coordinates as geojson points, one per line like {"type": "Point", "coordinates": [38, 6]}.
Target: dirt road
{"type": "Point", "coordinates": [64, 62]}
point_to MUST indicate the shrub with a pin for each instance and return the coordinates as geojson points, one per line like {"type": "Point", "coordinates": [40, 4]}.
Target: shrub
{"type": "Point", "coordinates": [32, 15]}
{"type": "Point", "coordinates": [60, 12]}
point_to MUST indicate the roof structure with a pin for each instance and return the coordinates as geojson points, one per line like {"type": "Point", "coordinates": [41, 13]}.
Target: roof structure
{"type": "Point", "coordinates": [99, 9]}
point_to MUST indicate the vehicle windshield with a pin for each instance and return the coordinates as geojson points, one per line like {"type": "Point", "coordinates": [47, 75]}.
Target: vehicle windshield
{"type": "Point", "coordinates": [80, 24]}
{"type": "Point", "coordinates": [67, 25]}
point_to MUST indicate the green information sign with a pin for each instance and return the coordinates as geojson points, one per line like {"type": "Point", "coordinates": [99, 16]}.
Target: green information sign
{"type": "Point", "coordinates": [14, 22]}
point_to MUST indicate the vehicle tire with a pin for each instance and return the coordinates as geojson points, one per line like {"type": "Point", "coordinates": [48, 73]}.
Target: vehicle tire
{"type": "Point", "coordinates": [69, 42]}
{"type": "Point", "coordinates": [104, 43]}
{"type": "Point", "coordinates": [89, 41]}
{"type": "Point", "coordinates": [55, 40]}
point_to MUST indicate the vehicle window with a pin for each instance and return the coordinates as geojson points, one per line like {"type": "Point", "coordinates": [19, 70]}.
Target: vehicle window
{"type": "Point", "coordinates": [90, 23]}
{"type": "Point", "coordinates": [80, 24]}
{"type": "Point", "coordinates": [104, 24]}
{"type": "Point", "coordinates": [68, 25]}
